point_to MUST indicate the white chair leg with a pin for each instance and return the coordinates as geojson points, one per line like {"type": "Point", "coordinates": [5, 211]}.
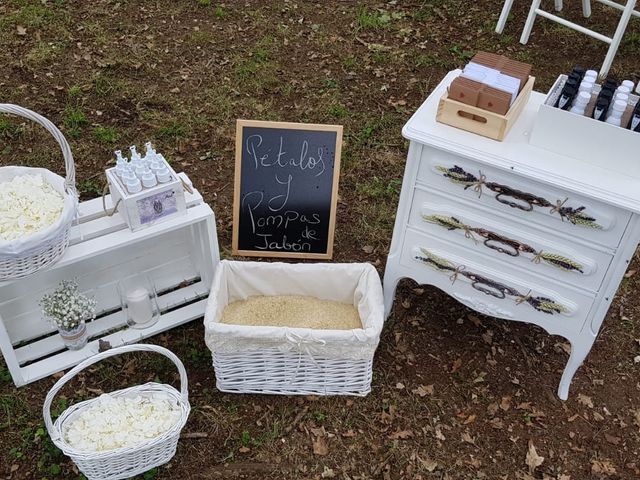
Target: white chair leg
{"type": "Point", "coordinates": [506, 8]}
{"type": "Point", "coordinates": [558, 5]}
{"type": "Point", "coordinates": [524, 38]}
{"type": "Point", "coordinates": [586, 8]}
{"type": "Point", "coordinates": [617, 37]}
{"type": "Point", "coordinates": [579, 352]}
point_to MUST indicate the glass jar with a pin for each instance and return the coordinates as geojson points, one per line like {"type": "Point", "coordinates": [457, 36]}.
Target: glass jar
{"type": "Point", "coordinates": [74, 338]}
{"type": "Point", "coordinates": [139, 301]}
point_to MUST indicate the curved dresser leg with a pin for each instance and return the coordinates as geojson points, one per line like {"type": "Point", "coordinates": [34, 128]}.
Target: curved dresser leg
{"type": "Point", "coordinates": [389, 290]}
{"type": "Point", "coordinates": [580, 348]}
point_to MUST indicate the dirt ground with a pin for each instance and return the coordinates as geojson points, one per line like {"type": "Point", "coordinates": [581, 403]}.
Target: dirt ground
{"type": "Point", "coordinates": [455, 395]}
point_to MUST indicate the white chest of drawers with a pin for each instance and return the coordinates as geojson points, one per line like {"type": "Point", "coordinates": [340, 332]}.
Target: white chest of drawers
{"type": "Point", "coordinates": [511, 230]}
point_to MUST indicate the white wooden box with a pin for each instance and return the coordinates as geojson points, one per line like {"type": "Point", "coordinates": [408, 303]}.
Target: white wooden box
{"type": "Point", "coordinates": [179, 256]}
{"type": "Point", "coordinates": [598, 143]}
{"type": "Point", "coordinates": [151, 205]}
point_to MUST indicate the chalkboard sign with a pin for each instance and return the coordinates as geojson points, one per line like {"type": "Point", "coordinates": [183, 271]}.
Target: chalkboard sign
{"type": "Point", "coordinates": [286, 189]}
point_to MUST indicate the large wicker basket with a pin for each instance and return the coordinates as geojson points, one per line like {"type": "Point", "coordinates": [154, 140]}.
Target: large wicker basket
{"type": "Point", "coordinates": [123, 462]}
{"type": "Point", "coordinates": [294, 361]}
{"type": "Point", "coordinates": [24, 257]}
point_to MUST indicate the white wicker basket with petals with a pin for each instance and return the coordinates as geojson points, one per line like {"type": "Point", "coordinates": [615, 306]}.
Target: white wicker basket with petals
{"type": "Point", "coordinates": [124, 462]}
{"type": "Point", "coordinates": [23, 257]}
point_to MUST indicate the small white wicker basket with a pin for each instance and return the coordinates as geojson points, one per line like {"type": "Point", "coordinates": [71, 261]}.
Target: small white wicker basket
{"type": "Point", "coordinates": [123, 462]}
{"type": "Point", "coordinates": [21, 258]}
{"type": "Point", "coordinates": [295, 361]}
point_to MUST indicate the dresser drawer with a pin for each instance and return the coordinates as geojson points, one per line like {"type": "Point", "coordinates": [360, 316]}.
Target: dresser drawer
{"type": "Point", "coordinates": [585, 219]}
{"type": "Point", "coordinates": [494, 288]}
{"type": "Point", "coordinates": [519, 244]}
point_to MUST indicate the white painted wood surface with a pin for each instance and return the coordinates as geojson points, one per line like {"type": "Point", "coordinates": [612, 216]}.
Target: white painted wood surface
{"type": "Point", "coordinates": [612, 198]}
{"type": "Point", "coordinates": [179, 255]}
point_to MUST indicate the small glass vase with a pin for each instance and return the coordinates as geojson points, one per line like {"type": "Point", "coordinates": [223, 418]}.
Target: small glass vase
{"type": "Point", "coordinates": [139, 301]}
{"type": "Point", "coordinates": [74, 338]}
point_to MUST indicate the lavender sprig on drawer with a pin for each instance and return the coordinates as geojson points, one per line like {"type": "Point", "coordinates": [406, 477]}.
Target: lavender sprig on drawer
{"type": "Point", "coordinates": [521, 200]}
{"type": "Point", "coordinates": [489, 286]}
{"type": "Point", "coordinates": [505, 245]}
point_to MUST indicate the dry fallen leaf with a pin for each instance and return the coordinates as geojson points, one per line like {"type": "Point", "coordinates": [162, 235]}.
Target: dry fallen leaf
{"type": "Point", "coordinates": [456, 365]}
{"type": "Point", "coordinates": [20, 30]}
{"type": "Point", "coordinates": [328, 473]}
{"type": "Point", "coordinates": [401, 434]}
{"type": "Point", "coordinates": [349, 434]}
{"type": "Point", "coordinates": [367, 249]}
{"type": "Point", "coordinates": [428, 464]}
{"type": "Point", "coordinates": [424, 390]}
{"type": "Point", "coordinates": [611, 439]}
{"type": "Point", "coordinates": [320, 446]}
{"type": "Point", "coordinates": [533, 460]}
{"type": "Point", "coordinates": [630, 273]}
{"type": "Point", "coordinates": [585, 400]}
{"type": "Point", "coordinates": [438, 433]}
{"type": "Point", "coordinates": [244, 449]}
{"type": "Point", "coordinates": [470, 419]}
{"type": "Point", "coordinates": [466, 437]}
{"type": "Point", "coordinates": [505, 403]}
{"type": "Point", "coordinates": [400, 386]}
{"type": "Point", "coordinates": [602, 467]}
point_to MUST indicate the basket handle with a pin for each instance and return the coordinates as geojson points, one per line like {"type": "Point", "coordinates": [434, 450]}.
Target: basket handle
{"type": "Point", "coordinates": [70, 181]}
{"type": "Point", "coordinates": [184, 389]}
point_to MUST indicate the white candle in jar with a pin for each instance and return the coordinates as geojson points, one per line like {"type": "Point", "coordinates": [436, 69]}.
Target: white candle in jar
{"type": "Point", "coordinates": [139, 305]}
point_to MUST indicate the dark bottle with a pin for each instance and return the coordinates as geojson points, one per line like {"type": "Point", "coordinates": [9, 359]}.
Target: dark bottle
{"type": "Point", "coordinates": [634, 122]}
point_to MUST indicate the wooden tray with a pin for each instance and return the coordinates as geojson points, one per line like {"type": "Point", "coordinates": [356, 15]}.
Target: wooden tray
{"type": "Point", "coordinates": [483, 122]}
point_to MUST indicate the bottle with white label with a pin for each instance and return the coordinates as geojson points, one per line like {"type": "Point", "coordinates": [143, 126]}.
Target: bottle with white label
{"type": "Point", "coordinates": [580, 105]}
{"type": "Point", "coordinates": [615, 113]}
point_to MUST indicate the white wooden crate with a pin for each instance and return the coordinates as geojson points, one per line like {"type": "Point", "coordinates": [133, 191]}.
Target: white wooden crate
{"type": "Point", "coordinates": [179, 255]}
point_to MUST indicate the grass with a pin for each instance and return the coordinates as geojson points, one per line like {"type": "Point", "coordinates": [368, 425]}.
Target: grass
{"type": "Point", "coordinates": [90, 187]}
{"type": "Point", "coordinates": [174, 130]}
{"type": "Point", "coordinates": [44, 53]}
{"type": "Point", "coordinates": [371, 19]}
{"type": "Point", "coordinates": [257, 71]}
{"type": "Point", "coordinates": [105, 85]}
{"type": "Point", "coordinates": [9, 129]}
{"type": "Point", "coordinates": [338, 111]}
{"type": "Point", "coordinates": [74, 120]}
{"type": "Point", "coordinates": [378, 188]}
{"type": "Point", "coordinates": [106, 135]}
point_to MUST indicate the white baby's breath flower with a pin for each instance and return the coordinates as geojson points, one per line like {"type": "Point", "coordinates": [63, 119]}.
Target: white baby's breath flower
{"type": "Point", "coordinates": [28, 204]}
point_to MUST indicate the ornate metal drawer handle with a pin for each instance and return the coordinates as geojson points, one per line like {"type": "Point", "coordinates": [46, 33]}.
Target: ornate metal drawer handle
{"type": "Point", "coordinates": [494, 240]}
{"type": "Point", "coordinates": [488, 286]}
{"type": "Point", "coordinates": [577, 216]}
{"type": "Point", "coordinates": [527, 207]}
{"type": "Point", "coordinates": [488, 291]}
{"type": "Point", "coordinates": [512, 253]}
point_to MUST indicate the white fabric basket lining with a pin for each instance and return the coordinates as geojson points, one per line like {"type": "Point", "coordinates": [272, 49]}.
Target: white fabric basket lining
{"type": "Point", "coordinates": [124, 462]}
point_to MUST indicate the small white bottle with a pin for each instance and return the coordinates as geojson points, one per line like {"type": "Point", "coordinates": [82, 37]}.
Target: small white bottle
{"type": "Point", "coordinates": [586, 86]}
{"type": "Point", "coordinates": [615, 113]}
{"type": "Point", "coordinates": [591, 75]}
{"type": "Point", "coordinates": [580, 103]}
{"type": "Point", "coordinates": [623, 97]}
{"type": "Point", "coordinates": [628, 84]}
{"type": "Point", "coordinates": [163, 175]}
{"type": "Point", "coordinates": [149, 179]}
{"type": "Point", "coordinates": [134, 185]}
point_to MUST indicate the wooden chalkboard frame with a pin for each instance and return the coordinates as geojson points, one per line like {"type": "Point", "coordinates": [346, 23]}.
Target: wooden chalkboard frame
{"type": "Point", "coordinates": [240, 125]}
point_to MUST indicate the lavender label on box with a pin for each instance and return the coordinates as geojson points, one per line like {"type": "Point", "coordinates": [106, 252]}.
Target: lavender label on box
{"type": "Point", "coordinates": [157, 206]}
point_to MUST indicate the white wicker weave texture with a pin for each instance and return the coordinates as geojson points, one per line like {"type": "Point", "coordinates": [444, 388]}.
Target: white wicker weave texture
{"type": "Point", "coordinates": [124, 462]}
{"type": "Point", "coordinates": [55, 239]}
